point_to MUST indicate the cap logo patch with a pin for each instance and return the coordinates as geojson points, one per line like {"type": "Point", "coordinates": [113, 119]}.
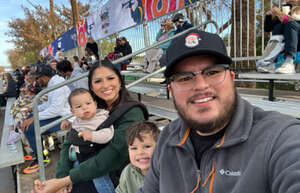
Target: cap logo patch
{"type": "Point", "coordinates": [192, 40]}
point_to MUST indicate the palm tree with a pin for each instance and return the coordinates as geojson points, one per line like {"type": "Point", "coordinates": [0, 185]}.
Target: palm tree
{"type": "Point", "coordinates": [242, 32]}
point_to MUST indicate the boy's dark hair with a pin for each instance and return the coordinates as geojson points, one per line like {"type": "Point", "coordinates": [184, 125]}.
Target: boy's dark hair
{"type": "Point", "coordinates": [76, 92]}
{"type": "Point", "coordinates": [141, 127]}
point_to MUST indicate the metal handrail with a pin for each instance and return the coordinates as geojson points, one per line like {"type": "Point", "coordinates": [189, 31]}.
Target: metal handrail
{"type": "Point", "coordinates": [39, 130]}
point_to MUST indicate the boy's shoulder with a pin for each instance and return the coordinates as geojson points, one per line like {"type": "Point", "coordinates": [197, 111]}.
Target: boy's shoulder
{"type": "Point", "coordinates": [131, 170]}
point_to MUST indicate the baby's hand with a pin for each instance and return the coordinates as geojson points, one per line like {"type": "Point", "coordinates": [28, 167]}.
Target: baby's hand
{"type": "Point", "coordinates": [65, 125]}
{"type": "Point", "coordinates": [87, 135]}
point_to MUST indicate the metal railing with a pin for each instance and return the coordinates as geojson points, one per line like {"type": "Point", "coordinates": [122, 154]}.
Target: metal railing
{"type": "Point", "coordinates": [39, 130]}
{"type": "Point", "coordinates": [240, 25]}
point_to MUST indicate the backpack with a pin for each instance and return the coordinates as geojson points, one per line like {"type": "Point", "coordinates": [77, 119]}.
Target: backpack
{"type": "Point", "coordinates": [87, 148]}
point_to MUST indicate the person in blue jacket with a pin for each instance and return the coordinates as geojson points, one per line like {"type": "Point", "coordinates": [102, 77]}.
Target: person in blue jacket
{"type": "Point", "coordinates": [180, 23]}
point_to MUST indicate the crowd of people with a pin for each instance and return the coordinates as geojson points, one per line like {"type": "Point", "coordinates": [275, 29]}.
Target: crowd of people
{"type": "Point", "coordinates": [220, 142]}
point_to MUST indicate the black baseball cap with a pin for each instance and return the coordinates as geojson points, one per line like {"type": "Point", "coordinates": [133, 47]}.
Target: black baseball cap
{"type": "Point", "coordinates": [44, 70]}
{"type": "Point", "coordinates": [178, 17]}
{"type": "Point", "coordinates": [195, 43]}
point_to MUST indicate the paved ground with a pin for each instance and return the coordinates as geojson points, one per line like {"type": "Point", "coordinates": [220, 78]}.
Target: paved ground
{"type": "Point", "coordinates": [7, 184]}
{"type": "Point", "coordinates": [26, 180]}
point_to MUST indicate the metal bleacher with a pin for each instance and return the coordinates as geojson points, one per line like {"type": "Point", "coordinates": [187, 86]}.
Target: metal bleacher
{"type": "Point", "coordinates": [155, 98]}
{"type": "Point", "coordinates": [8, 157]}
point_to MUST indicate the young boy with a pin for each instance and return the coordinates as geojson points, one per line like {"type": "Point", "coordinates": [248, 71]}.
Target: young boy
{"type": "Point", "coordinates": [88, 118]}
{"type": "Point", "coordinates": [141, 138]}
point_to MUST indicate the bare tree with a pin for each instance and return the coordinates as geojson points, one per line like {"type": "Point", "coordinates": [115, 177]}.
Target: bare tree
{"type": "Point", "coordinates": [33, 33]}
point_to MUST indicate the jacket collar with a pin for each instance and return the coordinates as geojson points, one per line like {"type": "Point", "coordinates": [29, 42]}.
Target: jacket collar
{"type": "Point", "coordinates": [237, 131]}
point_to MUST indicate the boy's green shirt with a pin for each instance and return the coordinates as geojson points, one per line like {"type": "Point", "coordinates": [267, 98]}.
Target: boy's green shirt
{"type": "Point", "coordinates": [131, 180]}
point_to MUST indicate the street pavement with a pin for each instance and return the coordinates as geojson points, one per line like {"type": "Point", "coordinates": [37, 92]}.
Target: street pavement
{"type": "Point", "coordinates": [6, 177]}
{"type": "Point", "coordinates": [7, 184]}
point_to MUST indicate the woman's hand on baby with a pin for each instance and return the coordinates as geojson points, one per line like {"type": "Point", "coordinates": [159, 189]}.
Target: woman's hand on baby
{"type": "Point", "coordinates": [87, 135]}
{"type": "Point", "coordinates": [65, 125]}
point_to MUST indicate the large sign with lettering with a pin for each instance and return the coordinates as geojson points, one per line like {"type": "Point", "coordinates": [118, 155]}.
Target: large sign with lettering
{"type": "Point", "coordinates": [156, 8]}
{"type": "Point", "coordinates": [114, 16]}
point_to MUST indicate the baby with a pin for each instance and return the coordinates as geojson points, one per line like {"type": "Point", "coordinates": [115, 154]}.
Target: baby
{"type": "Point", "coordinates": [88, 118]}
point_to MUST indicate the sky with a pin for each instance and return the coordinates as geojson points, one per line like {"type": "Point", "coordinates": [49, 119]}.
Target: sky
{"type": "Point", "coordinates": [12, 9]}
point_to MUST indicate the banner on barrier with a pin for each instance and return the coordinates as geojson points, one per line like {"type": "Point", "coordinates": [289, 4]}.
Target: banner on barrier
{"type": "Point", "coordinates": [157, 8]}
{"type": "Point", "coordinates": [114, 16]}
{"type": "Point", "coordinates": [65, 42]}
{"type": "Point", "coordinates": [81, 32]}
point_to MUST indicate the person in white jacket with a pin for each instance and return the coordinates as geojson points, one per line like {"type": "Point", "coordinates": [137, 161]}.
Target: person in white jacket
{"type": "Point", "coordinates": [49, 111]}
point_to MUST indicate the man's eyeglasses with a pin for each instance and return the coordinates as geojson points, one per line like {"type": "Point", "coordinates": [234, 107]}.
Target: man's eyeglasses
{"type": "Point", "coordinates": [212, 75]}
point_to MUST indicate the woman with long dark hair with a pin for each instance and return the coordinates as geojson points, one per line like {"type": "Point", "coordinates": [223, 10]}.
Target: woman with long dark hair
{"type": "Point", "coordinates": [108, 89]}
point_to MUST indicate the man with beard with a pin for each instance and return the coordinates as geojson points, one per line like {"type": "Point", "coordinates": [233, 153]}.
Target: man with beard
{"type": "Point", "coordinates": [49, 111]}
{"type": "Point", "coordinates": [220, 143]}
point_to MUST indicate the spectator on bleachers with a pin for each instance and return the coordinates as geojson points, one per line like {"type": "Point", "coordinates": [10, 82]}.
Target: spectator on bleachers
{"type": "Point", "coordinates": [54, 108]}
{"type": "Point", "coordinates": [83, 64]}
{"type": "Point", "coordinates": [117, 47]}
{"type": "Point", "coordinates": [20, 79]}
{"type": "Point", "coordinates": [59, 56]}
{"type": "Point", "coordinates": [116, 53]}
{"type": "Point", "coordinates": [166, 31]}
{"type": "Point", "coordinates": [33, 68]}
{"type": "Point", "coordinates": [76, 63]}
{"type": "Point", "coordinates": [108, 88]}
{"type": "Point", "coordinates": [52, 63]}
{"type": "Point", "coordinates": [11, 89]}
{"type": "Point", "coordinates": [123, 49]}
{"type": "Point", "coordinates": [276, 43]}
{"type": "Point", "coordinates": [180, 23]}
{"type": "Point", "coordinates": [91, 53]}
{"type": "Point", "coordinates": [79, 65]}
{"type": "Point", "coordinates": [141, 139]}
{"type": "Point", "coordinates": [152, 57]}
{"type": "Point", "coordinates": [287, 23]}
{"type": "Point", "coordinates": [21, 110]}
{"type": "Point", "coordinates": [291, 37]}
{"type": "Point", "coordinates": [66, 70]}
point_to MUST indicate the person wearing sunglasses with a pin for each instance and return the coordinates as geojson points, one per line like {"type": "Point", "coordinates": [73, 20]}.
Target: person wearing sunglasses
{"type": "Point", "coordinates": [220, 142]}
